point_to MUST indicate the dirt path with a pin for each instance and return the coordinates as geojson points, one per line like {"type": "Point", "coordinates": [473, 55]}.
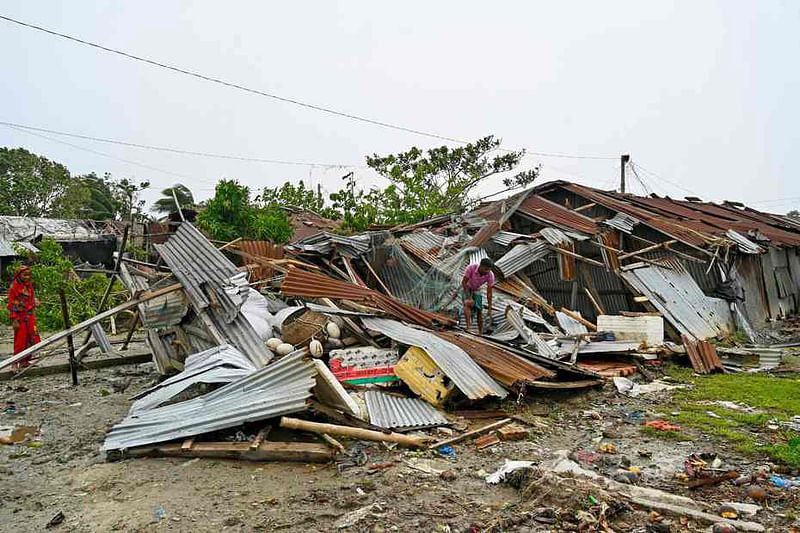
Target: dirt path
{"type": "Point", "coordinates": [68, 473]}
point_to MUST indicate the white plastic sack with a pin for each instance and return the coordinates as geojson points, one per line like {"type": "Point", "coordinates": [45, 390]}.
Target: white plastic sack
{"type": "Point", "coordinates": [256, 310]}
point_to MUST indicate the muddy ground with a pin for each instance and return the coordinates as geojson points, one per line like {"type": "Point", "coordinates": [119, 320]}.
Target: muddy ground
{"type": "Point", "coordinates": [65, 471]}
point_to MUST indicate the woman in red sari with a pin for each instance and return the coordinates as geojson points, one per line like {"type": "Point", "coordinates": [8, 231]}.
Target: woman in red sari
{"type": "Point", "coordinates": [21, 306]}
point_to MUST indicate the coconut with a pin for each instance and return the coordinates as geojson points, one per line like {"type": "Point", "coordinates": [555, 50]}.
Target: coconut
{"type": "Point", "coordinates": [333, 330]}
{"type": "Point", "coordinates": [315, 347]}
{"type": "Point", "coordinates": [284, 348]}
{"type": "Point", "coordinates": [273, 343]}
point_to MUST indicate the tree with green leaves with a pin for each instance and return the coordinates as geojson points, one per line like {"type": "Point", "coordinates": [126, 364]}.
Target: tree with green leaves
{"type": "Point", "coordinates": [437, 181]}
{"type": "Point", "coordinates": [33, 186]}
{"type": "Point", "coordinates": [290, 195]}
{"type": "Point", "coordinates": [794, 213]}
{"type": "Point", "coordinates": [230, 214]}
{"type": "Point", "coordinates": [166, 204]}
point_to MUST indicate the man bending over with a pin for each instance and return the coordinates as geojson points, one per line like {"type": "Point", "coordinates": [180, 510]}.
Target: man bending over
{"type": "Point", "coordinates": [475, 277]}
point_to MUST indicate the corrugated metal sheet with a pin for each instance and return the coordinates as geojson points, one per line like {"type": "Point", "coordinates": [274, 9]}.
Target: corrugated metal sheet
{"type": "Point", "coordinates": [622, 221]}
{"type": "Point", "coordinates": [101, 338]}
{"type": "Point", "coordinates": [506, 368]}
{"type": "Point", "coordinates": [388, 411]}
{"type": "Point", "coordinates": [556, 237]}
{"type": "Point", "coordinates": [520, 256]}
{"type": "Point", "coordinates": [312, 285]}
{"type": "Point", "coordinates": [263, 250]}
{"type": "Point", "coordinates": [703, 356]}
{"type": "Point", "coordinates": [161, 312]}
{"type": "Point", "coordinates": [768, 358]}
{"type": "Point", "coordinates": [7, 248]}
{"type": "Point", "coordinates": [470, 378]}
{"type": "Point", "coordinates": [484, 234]}
{"type": "Point", "coordinates": [679, 299]}
{"type": "Point", "coordinates": [566, 347]}
{"type": "Point", "coordinates": [551, 213]}
{"type": "Point", "coordinates": [278, 389]}
{"type": "Point", "coordinates": [198, 265]}
{"type": "Point", "coordinates": [570, 325]}
{"type": "Point", "coordinates": [424, 240]}
{"type": "Point", "coordinates": [221, 364]}
{"type": "Point", "coordinates": [324, 243]}
{"type": "Point", "coordinates": [505, 238]}
{"type": "Point", "coordinates": [744, 244]}
{"type": "Point", "coordinates": [14, 228]}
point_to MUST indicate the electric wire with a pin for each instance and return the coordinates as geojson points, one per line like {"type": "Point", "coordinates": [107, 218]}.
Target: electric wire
{"type": "Point", "coordinates": [277, 97]}
{"type": "Point", "coordinates": [128, 161]}
{"type": "Point", "coordinates": [178, 150]}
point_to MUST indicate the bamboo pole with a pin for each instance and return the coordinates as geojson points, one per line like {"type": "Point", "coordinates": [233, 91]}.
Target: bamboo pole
{"type": "Point", "coordinates": [579, 318]}
{"type": "Point", "coordinates": [470, 434]}
{"type": "Point", "coordinates": [356, 433]}
{"type": "Point", "coordinates": [664, 244]}
{"type": "Point", "coordinates": [87, 323]}
{"type": "Point", "coordinates": [73, 367]}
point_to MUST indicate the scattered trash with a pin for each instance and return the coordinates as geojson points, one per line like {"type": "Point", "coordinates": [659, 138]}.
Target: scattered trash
{"type": "Point", "coordinates": [159, 515]}
{"type": "Point", "coordinates": [56, 520]}
{"type": "Point", "coordinates": [509, 466]}
{"type": "Point", "coordinates": [662, 425]}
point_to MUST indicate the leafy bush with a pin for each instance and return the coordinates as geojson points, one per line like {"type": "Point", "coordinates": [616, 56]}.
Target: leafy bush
{"type": "Point", "coordinates": [230, 215]}
{"type": "Point", "coordinates": [52, 271]}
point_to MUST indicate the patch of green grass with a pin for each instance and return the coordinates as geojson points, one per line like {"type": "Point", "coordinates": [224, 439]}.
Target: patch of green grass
{"type": "Point", "coordinates": [778, 398]}
{"type": "Point", "coordinates": [662, 434]}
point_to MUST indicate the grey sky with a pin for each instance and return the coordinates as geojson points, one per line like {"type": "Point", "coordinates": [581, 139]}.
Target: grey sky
{"type": "Point", "coordinates": [703, 94]}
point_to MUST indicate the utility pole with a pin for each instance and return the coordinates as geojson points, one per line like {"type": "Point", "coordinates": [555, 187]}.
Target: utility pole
{"type": "Point", "coordinates": [623, 160]}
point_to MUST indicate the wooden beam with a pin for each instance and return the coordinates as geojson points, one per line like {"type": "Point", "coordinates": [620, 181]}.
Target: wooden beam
{"type": "Point", "coordinates": [470, 434]}
{"type": "Point", "coordinates": [346, 431]}
{"type": "Point", "coordinates": [304, 452]}
{"type": "Point", "coordinates": [88, 322]}
{"type": "Point", "coordinates": [585, 207]}
{"type": "Point", "coordinates": [378, 279]}
{"type": "Point", "coordinates": [664, 244]}
{"type": "Point", "coordinates": [579, 318]}
{"type": "Point", "coordinates": [576, 256]}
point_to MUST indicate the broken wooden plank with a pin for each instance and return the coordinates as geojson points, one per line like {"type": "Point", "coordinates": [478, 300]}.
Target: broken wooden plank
{"type": "Point", "coordinates": [664, 244]}
{"type": "Point", "coordinates": [579, 318]}
{"type": "Point", "coordinates": [306, 452]}
{"type": "Point", "coordinates": [260, 437]}
{"type": "Point", "coordinates": [470, 434]}
{"type": "Point", "coordinates": [333, 443]}
{"type": "Point", "coordinates": [346, 431]}
{"type": "Point", "coordinates": [88, 322]}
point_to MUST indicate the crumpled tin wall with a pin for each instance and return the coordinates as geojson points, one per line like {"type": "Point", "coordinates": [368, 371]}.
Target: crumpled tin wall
{"type": "Point", "coordinates": [520, 256]}
{"type": "Point", "coordinates": [276, 390]}
{"type": "Point", "coordinates": [508, 369]}
{"type": "Point", "coordinates": [198, 264]}
{"type": "Point", "coordinates": [221, 364]}
{"type": "Point", "coordinates": [161, 312]}
{"type": "Point", "coordinates": [676, 295]}
{"type": "Point", "coordinates": [391, 412]}
{"type": "Point", "coordinates": [470, 378]}
{"type": "Point", "coordinates": [622, 221]}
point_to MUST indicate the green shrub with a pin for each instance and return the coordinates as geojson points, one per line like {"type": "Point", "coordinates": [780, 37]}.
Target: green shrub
{"type": "Point", "coordinates": [52, 271]}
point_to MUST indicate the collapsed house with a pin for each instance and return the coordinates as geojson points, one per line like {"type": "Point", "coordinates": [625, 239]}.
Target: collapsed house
{"type": "Point", "coordinates": [87, 241]}
{"type": "Point", "coordinates": [368, 330]}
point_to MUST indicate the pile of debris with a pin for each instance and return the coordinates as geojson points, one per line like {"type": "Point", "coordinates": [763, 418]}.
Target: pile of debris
{"type": "Point", "coordinates": [364, 335]}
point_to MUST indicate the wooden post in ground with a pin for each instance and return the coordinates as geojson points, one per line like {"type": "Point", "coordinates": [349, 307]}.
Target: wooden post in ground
{"type": "Point", "coordinates": [73, 367]}
{"type": "Point", "coordinates": [134, 324]}
{"type": "Point", "coordinates": [113, 276]}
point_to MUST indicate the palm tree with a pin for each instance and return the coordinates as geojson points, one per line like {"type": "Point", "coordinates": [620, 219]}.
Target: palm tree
{"type": "Point", "coordinates": [167, 203]}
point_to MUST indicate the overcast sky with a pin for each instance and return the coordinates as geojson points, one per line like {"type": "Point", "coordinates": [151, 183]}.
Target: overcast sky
{"type": "Point", "coordinates": [702, 94]}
